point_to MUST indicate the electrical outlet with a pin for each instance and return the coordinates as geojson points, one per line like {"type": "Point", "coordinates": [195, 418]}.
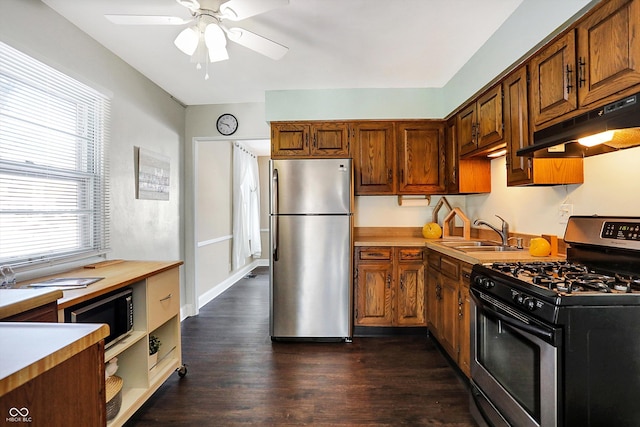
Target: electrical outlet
{"type": "Point", "coordinates": [565, 211]}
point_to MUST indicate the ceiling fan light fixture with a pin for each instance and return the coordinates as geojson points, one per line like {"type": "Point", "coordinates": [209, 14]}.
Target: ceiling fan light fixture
{"type": "Point", "coordinates": [187, 40]}
{"type": "Point", "coordinates": [214, 36]}
{"type": "Point", "coordinates": [218, 54]}
{"type": "Point", "coordinates": [216, 43]}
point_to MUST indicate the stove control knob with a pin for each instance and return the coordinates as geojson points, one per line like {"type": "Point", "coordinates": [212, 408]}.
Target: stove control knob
{"type": "Point", "coordinates": [485, 282]}
{"type": "Point", "coordinates": [530, 303]}
{"type": "Point", "coordinates": [519, 299]}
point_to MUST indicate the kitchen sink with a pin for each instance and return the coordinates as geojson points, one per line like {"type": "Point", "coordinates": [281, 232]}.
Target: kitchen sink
{"type": "Point", "coordinates": [479, 246]}
{"type": "Point", "coordinates": [470, 243]}
{"type": "Point", "coordinates": [496, 248]}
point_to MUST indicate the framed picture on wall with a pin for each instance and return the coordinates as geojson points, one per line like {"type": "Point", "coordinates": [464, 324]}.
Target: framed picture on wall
{"type": "Point", "coordinates": [153, 175]}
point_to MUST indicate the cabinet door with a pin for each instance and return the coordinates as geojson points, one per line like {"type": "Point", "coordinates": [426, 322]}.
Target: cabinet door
{"type": "Point", "coordinates": [374, 158]}
{"type": "Point", "coordinates": [467, 130]}
{"type": "Point", "coordinates": [451, 150]}
{"type": "Point", "coordinates": [516, 127]}
{"type": "Point", "coordinates": [464, 357]}
{"type": "Point", "coordinates": [421, 157]}
{"type": "Point", "coordinates": [373, 294]}
{"type": "Point", "coordinates": [330, 140]}
{"type": "Point", "coordinates": [464, 326]}
{"type": "Point", "coordinates": [410, 298]}
{"type": "Point", "coordinates": [434, 307]}
{"type": "Point", "coordinates": [609, 51]}
{"type": "Point", "coordinates": [489, 110]}
{"type": "Point", "coordinates": [553, 80]}
{"type": "Point", "coordinates": [289, 140]}
{"type": "Point", "coordinates": [449, 301]}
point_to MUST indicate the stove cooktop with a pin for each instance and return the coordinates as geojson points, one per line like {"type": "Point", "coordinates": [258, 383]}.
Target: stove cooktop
{"type": "Point", "coordinates": [567, 278]}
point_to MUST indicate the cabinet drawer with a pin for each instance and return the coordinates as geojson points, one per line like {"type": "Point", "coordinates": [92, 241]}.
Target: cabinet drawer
{"type": "Point", "coordinates": [465, 278]}
{"type": "Point", "coordinates": [450, 268]}
{"type": "Point", "coordinates": [411, 254]}
{"type": "Point", "coordinates": [375, 254]}
{"type": "Point", "coordinates": [163, 297]}
{"type": "Point", "coordinates": [434, 260]}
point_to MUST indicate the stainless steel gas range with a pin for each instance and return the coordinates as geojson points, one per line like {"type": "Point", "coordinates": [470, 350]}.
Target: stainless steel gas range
{"type": "Point", "coordinates": [558, 343]}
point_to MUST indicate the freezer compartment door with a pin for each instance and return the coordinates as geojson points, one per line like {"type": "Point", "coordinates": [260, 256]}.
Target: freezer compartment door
{"type": "Point", "coordinates": [310, 282]}
{"type": "Point", "coordinates": [318, 186]}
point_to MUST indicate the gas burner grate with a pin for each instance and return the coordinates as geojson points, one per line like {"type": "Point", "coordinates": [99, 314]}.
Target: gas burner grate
{"type": "Point", "coordinates": [568, 277]}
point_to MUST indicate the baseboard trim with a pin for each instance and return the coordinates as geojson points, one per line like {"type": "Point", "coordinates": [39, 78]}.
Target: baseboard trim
{"type": "Point", "coordinates": [211, 294]}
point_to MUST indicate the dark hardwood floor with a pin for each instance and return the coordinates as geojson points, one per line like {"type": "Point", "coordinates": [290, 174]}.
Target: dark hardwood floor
{"type": "Point", "coordinates": [237, 376]}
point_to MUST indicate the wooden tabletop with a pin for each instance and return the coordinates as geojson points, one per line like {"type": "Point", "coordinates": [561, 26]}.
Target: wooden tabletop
{"type": "Point", "coordinates": [115, 274]}
{"type": "Point", "coordinates": [27, 349]}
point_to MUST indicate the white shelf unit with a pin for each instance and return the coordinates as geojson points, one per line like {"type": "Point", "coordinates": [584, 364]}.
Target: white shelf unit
{"type": "Point", "coordinates": [156, 305]}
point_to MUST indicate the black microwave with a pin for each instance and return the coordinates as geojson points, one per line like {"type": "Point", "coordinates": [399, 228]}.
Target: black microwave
{"type": "Point", "coordinates": [115, 309]}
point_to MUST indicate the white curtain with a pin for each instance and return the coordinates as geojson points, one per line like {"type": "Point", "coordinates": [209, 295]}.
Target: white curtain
{"type": "Point", "coordinates": [246, 206]}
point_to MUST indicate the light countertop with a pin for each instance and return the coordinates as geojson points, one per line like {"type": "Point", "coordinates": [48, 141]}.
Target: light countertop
{"type": "Point", "coordinates": [15, 301]}
{"type": "Point", "coordinates": [436, 244]}
{"type": "Point", "coordinates": [27, 349]}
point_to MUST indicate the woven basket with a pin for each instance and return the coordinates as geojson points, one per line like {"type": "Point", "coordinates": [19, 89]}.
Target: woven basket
{"type": "Point", "coordinates": [113, 386]}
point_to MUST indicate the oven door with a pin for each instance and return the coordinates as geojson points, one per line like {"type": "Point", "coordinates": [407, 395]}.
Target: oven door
{"type": "Point", "coordinates": [514, 364]}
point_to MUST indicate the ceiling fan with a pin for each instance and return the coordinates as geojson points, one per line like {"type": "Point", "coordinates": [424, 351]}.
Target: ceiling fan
{"type": "Point", "coordinates": [206, 40]}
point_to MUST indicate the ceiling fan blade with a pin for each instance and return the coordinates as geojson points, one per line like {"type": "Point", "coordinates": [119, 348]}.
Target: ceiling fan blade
{"type": "Point", "coordinates": [147, 20]}
{"type": "Point", "coordinates": [257, 43]}
{"type": "Point", "coordinates": [237, 10]}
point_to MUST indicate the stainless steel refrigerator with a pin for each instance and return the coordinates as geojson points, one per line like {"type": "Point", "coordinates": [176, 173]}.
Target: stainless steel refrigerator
{"type": "Point", "coordinates": [311, 217]}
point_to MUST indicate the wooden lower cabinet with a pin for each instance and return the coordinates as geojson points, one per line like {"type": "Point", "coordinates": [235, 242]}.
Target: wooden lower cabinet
{"type": "Point", "coordinates": [389, 286]}
{"type": "Point", "coordinates": [448, 306]}
{"type": "Point", "coordinates": [43, 313]}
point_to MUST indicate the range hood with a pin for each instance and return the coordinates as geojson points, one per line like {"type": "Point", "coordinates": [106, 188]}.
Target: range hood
{"type": "Point", "coordinates": [561, 140]}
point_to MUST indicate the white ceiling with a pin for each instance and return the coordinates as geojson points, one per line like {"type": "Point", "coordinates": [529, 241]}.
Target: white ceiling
{"type": "Point", "coordinates": [333, 44]}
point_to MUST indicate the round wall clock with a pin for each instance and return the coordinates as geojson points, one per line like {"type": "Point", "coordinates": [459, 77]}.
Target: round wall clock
{"type": "Point", "coordinates": [227, 124]}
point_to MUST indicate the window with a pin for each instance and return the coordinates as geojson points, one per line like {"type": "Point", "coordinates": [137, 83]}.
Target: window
{"type": "Point", "coordinates": [54, 202]}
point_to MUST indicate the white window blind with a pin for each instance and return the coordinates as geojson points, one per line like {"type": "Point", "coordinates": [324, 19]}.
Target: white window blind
{"type": "Point", "coordinates": [54, 132]}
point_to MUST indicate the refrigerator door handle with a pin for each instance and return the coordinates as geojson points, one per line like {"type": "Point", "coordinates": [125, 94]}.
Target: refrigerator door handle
{"type": "Point", "coordinates": [274, 217]}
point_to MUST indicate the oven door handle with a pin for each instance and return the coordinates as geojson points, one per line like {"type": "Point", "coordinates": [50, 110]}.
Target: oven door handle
{"type": "Point", "coordinates": [545, 334]}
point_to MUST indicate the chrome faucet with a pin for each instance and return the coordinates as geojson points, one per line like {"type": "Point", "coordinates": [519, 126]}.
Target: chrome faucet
{"type": "Point", "coordinates": [504, 233]}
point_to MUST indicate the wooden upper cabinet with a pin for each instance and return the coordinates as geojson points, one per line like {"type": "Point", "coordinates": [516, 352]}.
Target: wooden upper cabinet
{"type": "Point", "coordinates": [516, 127]}
{"type": "Point", "coordinates": [374, 158]}
{"type": "Point", "coordinates": [609, 50]}
{"type": "Point", "coordinates": [527, 170]}
{"type": "Point", "coordinates": [315, 139]}
{"type": "Point", "coordinates": [330, 139]}
{"type": "Point", "coordinates": [421, 157]}
{"type": "Point", "coordinates": [464, 176]}
{"type": "Point", "coordinates": [480, 124]}
{"type": "Point", "coordinates": [490, 125]}
{"type": "Point", "coordinates": [593, 63]}
{"type": "Point", "coordinates": [553, 80]}
{"type": "Point", "coordinates": [466, 124]}
{"type": "Point", "coordinates": [289, 140]}
{"type": "Point", "coordinates": [451, 150]}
